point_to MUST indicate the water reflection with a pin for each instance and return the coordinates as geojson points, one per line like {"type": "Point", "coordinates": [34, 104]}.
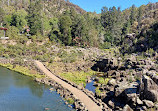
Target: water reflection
{"type": "Point", "coordinates": [21, 93]}
{"type": "Point", "coordinates": [10, 78]}
{"type": "Point", "coordinates": [35, 88]}
{"type": "Point", "coordinates": [5, 80]}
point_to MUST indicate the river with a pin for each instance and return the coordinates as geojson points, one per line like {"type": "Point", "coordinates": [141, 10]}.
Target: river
{"type": "Point", "coordinates": [22, 93]}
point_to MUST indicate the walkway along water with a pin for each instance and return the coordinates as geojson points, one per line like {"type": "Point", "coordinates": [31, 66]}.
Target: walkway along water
{"type": "Point", "coordinates": [22, 93]}
{"type": "Point", "coordinates": [89, 103]}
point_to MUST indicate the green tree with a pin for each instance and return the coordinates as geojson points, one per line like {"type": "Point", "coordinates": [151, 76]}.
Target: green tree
{"type": "Point", "coordinates": [139, 17]}
{"type": "Point", "coordinates": [133, 14]}
{"type": "Point", "coordinates": [91, 39]}
{"type": "Point", "coordinates": [2, 13]}
{"type": "Point", "coordinates": [55, 35]}
{"type": "Point", "coordinates": [7, 19]}
{"type": "Point", "coordinates": [126, 28]}
{"type": "Point", "coordinates": [79, 29]}
{"type": "Point", "coordinates": [112, 22]}
{"type": "Point", "coordinates": [106, 18]}
{"type": "Point", "coordinates": [116, 28]}
{"type": "Point", "coordinates": [46, 26]}
{"type": "Point", "coordinates": [54, 23]}
{"type": "Point", "coordinates": [18, 19]}
{"type": "Point", "coordinates": [35, 18]}
{"type": "Point", "coordinates": [65, 28]}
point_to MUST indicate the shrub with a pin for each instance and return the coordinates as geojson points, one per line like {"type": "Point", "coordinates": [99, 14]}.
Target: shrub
{"type": "Point", "coordinates": [97, 91]}
{"type": "Point", "coordinates": [103, 80]}
{"type": "Point", "coordinates": [77, 77]}
{"type": "Point", "coordinates": [33, 38]}
{"type": "Point", "coordinates": [6, 56]}
{"type": "Point", "coordinates": [12, 32]}
{"type": "Point", "coordinates": [70, 100]}
{"type": "Point", "coordinates": [106, 45]}
{"type": "Point", "coordinates": [23, 39]}
{"type": "Point", "coordinates": [68, 57]}
{"type": "Point", "coordinates": [150, 51]}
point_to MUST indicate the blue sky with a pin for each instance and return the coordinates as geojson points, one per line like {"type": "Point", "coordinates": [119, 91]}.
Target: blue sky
{"type": "Point", "coordinates": [96, 5]}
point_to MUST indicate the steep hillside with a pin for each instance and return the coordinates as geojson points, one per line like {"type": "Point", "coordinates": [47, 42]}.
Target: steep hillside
{"type": "Point", "coordinates": [145, 32]}
{"type": "Point", "coordinates": [51, 6]}
{"type": "Point", "coordinates": [65, 23]}
{"type": "Point", "coordinates": [117, 49]}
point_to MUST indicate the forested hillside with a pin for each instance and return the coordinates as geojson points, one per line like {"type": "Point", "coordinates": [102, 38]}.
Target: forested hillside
{"type": "Point", "coordinates": [65, 23]}
{"type": "Point", "coordinates": [117, 49]}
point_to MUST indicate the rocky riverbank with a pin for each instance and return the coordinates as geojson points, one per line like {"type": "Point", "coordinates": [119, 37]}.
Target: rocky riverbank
{"type": "Point", "coordinates": [25, 67]}
{"type": "Point", "coordinates": [132, 85]}
{"type": "Point", "coordinates": [130, 82]}
{"type": "Point", "coordinates": [65, 93]}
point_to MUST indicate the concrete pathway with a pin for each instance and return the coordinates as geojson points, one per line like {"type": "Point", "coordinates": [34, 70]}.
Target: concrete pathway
{"type": "Point", "coordinates": [90, 105]}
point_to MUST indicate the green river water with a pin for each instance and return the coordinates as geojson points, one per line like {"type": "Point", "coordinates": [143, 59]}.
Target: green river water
{"type": "Point", "coordinates": [22, 93]}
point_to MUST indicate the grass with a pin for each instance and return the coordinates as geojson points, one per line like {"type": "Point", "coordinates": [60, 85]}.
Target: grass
{"type": "Point", "coordinates": [70, 100]}
{"type": "Point", "coordinates": [69, 57]}
{"type": "Point", "coordinates": [152, 109]}
{"type": "Point", "coordinates": [112, 51]}
{"type": "Point", "coordinates": [77, 77]}
{"type": "Point", "coordinates": [23, 70]}
{"type": "Point", "coordinates": [97, 91]}
{"type": "Point", "coordinates": [103, 80]}
{"type": "Point", "coordinates": [137, 78]}
{"type": "Point", "coordinates": [140, 57]}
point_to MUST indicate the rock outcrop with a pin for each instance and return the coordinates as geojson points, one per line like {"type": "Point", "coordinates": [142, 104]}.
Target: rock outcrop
{"type": "Point", "coordinates": [127, 108]}
{"type": "Point", "coordinates": [133, 83]}
{"type": "Point", "coordinates": [149, 88]}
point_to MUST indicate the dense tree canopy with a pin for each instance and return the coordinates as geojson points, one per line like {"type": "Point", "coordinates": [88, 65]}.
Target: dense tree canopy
{"type": "Point", "coordinates": [65, 23]}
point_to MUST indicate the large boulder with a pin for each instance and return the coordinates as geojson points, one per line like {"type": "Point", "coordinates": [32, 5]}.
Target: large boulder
{"type": "Point", "coordinates": [131, 62]}
{"type": "Point", "coordinates": [127, 108]}
{"type": "Point", "coordinates": [129, 38]}
{"type": "Point", "coordinates": [115, 75]}
{"type": "Point", "coordinates": [111, 104]}
{"type": "Point", "coordinates": [148, 89]}
{"type": "Point", "coordinates": [113, 63]}
{"type": "Point", "coordinates": [105, 64]}
{"type": "Point", "coordinates": [112, 82]}
{"type": "Point", "coordinates": [156, 106]}
{"type": "Point", "coordinates": [148, 103]}
{"type": "Point", "coordinates": [139, 102]}
{"type": "Point", "coordinates": [126, 92]}
{"type": "Point", "coordinates": [101, 65]}
{"type": "Point", "coordinates": [153, 75]}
